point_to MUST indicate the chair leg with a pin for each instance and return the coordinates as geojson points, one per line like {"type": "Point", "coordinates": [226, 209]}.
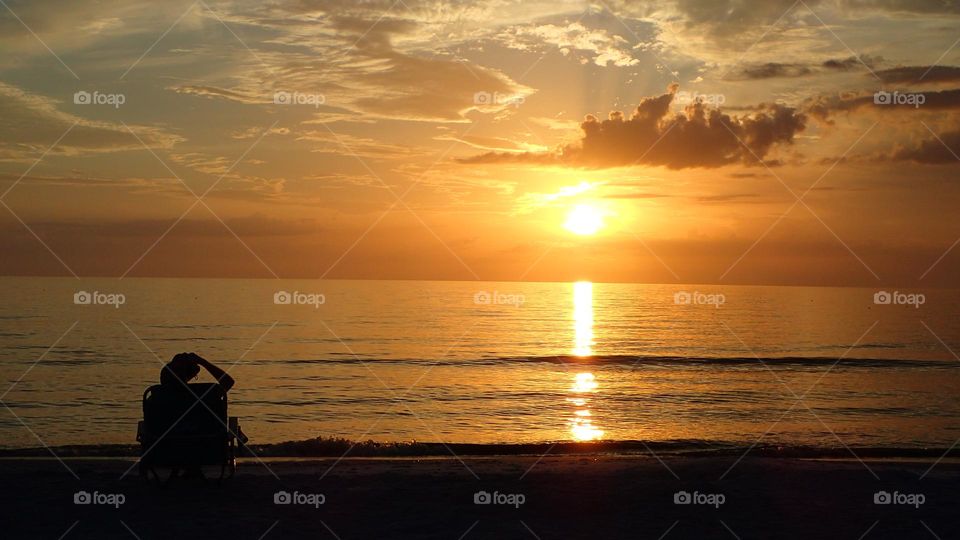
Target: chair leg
{"type": "Point", "coordinates": [173, 474]}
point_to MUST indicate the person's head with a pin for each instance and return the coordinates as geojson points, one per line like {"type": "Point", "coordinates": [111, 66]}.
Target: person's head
{"type": "Point", "coordinates": [181, 367]}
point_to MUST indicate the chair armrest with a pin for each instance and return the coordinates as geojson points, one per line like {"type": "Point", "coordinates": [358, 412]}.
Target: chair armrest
{"type": "Point", "coordinates": [233, 425]}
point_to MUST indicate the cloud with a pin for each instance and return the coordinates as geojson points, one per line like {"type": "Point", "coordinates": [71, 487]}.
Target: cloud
{"type": "Point", "coordinates": [905, 6]}
{"type": "Point", "coordinates": [604, 48]}
{"type": "Point", "coordinates": [737, 18]}
{"type": "Point", "coordinates": [825, 107]}
{"type": "Point", "coordinates": [215, 92]}
{"type": "Point", "coordinates": [328, 142]}
{"type": "Point", "coordinates": [652, 135]}
{"type": "Point", "coordinates": [776, 70]}
{"type": "Point", "coordinates": [932, 151]}
{"type": "Point", "coordinates": [769, 70]}
{"type": "Point", "coordinates": [31, 123]}
{"type": "Point", "coordinates": [367, 63]}
{"type": "Point", "coordinates": [918, 74]}
{"type": "Point", "coordinates": [498, 144]}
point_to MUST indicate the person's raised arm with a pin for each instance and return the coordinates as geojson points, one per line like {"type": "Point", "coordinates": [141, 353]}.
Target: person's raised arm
{"type": "Point", "coordinates": [222, 377]}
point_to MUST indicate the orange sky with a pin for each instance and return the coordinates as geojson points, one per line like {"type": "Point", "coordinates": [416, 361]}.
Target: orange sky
{"type": "Point", "coordinates": [720, 142]}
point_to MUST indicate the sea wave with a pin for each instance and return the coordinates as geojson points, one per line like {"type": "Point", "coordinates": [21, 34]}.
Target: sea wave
{"type": "Point", "coordinates": [629, 360]}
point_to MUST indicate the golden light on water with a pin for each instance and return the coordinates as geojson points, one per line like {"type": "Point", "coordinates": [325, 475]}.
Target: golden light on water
{"type": "Point", "coordinates": [585, 383]}
{"type": "Point", "coordinates": [581, 425]}
{"type": "Point", "coordinates": [583, 318]}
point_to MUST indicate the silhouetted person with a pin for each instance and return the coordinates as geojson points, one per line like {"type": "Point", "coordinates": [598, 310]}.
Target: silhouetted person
{"type": "Point", "coordinates": [184, 367]}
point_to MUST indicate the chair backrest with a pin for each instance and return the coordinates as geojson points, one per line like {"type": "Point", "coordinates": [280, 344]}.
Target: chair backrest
{"type": "Point", "coordinates": [185, 410]}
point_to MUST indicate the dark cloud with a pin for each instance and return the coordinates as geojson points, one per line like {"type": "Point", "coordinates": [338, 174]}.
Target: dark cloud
{"type": "Point", "coordinates": [652, 135]}
{"type": "Point", "coordinates": [255, 225]}
{"type": "Point", "coordinates": [917, 74]}
{"type": "Point", "coordinates": [825, 107]}
{"type": "Point", "coordinates": [770, 70]}
{"type": "Point", "coordinates": [728, 18]}
{"type": "Point", "coordinates": [777, 70]}
{"type": "Point", "coordinates": [905, 6]}
{"type": "Point", "coordinates": [852, 62]}
{"type": "Point", "coordinates": [933, 151]}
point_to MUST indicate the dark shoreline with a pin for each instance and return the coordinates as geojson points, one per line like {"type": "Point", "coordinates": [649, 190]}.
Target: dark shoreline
{"type": "Point", "coordinates": [329, 447]}
{"type": "Point", "coordinates": [575, 497]}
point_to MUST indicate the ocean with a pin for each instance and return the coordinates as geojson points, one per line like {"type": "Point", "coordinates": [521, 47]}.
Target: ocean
{"type": "Point", "coordinates": [478, 362]}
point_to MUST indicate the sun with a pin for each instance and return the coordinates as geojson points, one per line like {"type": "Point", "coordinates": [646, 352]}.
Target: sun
{"type": "Point", "coordinates": [584, 220]}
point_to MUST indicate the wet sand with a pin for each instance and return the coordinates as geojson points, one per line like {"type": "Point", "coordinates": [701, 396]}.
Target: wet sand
{"type": "Point", "coordinates": [570, 496]}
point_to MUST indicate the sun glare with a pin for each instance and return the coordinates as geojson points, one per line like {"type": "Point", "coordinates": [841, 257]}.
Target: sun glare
{"type": "Point", "coordinates": [584, 220]}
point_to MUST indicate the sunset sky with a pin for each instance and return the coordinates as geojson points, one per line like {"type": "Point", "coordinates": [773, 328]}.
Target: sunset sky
{"type": "Point", "coordinates": [457, 140]}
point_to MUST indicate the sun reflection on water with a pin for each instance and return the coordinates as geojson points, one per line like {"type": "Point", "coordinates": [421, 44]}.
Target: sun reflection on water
{"type": "Point", "coordinates": [585, 383]}
{"type": "Point", "coordinates": [581, 425]}
{"type": "Point", "coordinates": [583, 318]}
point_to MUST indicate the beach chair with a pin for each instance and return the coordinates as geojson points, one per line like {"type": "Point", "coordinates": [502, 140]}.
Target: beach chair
{"type": "Point", "coordinates": [187, 427]}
